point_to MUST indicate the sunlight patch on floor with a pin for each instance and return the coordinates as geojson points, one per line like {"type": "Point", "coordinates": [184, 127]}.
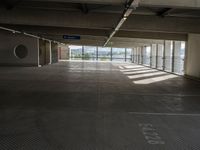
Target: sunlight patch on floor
{"type": "Point", "coordinates": [155, 79]}
{"type": "Point", "coordinates": [146, 75]}
{"type": "Point", "coordinates": [143, 71]}
{"type": "Point", "coordinates": [138, 69]}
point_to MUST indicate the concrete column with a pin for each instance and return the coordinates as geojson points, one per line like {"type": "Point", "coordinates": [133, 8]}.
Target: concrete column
{"type": "Point", "coordinates": [111, 54]}
{"type": "Point", "coordinates": [164, 57]}
{"type": "Point", "coordinates": [143, 53]}
{"type": "Point", "coordinates": [168, 55]}
{"type": "Point", "coordinates": [138, 55]}
{"type": "Point", "coordinates": [153, 55]}
{"type": "Point", "coordinates": [133, 55]}
{"type": "Point", "coordinates": [47, 52]}
{"type": "Point", "coordinates": [125, 54]}
{"type": "Point", "coordinates": [193, 56]}
{"type": "Point", "coordinates": [178, 62]}
{"type": "Point", "coordinates": [141, 56]}
{"type": "Point", "coordinates": [54, 52]}
{"type": "Point", "coordinates": [173, 57]}
{"type": "Point", "coordinates": [38, 52]}
{"type": "Point", "coordinates": [157, 56]}
{"type": "Point", "coordinates": [160, 53]}
{"type": "Point", "coordinates": [50, 56]}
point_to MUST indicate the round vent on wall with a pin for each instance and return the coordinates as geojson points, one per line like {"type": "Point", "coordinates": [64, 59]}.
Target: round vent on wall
{"type": "Point", "coordinates": [21, 51]}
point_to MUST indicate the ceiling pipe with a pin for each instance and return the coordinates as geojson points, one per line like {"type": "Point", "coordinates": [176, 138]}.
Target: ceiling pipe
{"type": "Point", "coordinates": [132, 5]}
{"type": "Point", "coordinates": [31, 35]}
{"type": "Point", "coordinates": [28, 34]}
{"type": "Point", "coordinates": [11, 30]}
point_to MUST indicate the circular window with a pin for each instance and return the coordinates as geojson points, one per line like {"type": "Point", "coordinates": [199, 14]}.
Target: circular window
{"type": "Point", "coordinates": [21, 51]}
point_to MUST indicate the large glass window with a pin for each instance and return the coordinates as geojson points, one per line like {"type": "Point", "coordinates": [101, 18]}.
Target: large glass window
{"type": "Point", "coordinates": [129, 54]}
{"type": "Point", "coordinates": [160, 56]}
{"type": "Point", "coordinates": [118, 54]}
{"type": "Point", "coordinates": [153, 55]}
{"type": "Point", "coordinates": [179, 55]}
{"type": "Point", "coordinates": [75, 52]}
{"type": "Point", "coordinates": [146, 55]}
{"type": "Point", "coordinates": [90, 53]}
{"type": "Point", "coordinates": [168, 55]}
{"type": "Point", "coordinates": [104, 53]}
{"type": "Point", "coordinates": [139, 52]}
{"type": "Point", "coordinates": [135, 57]}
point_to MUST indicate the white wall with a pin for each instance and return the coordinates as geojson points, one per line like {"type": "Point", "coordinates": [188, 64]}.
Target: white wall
{"type": "Point", "coordinates": [8, 41]}
{"type": "Point", "coordinates": [193, 56]}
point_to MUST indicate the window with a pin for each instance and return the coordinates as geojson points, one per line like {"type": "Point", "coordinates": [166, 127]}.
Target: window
{"type": "Point", "coordinates": [153, 55]}
{"type": "Point", "coordinates": [76, 52]}
{"type": "Point", "coordinates": [179, 55]}
{"type": "Point", "coordinates": [129, 54]}
{"type": "Point", "coordinates": [139, 53]}
{"type": "Point", "coordinates": [168, 55]}
{"type": "Point", "coordinates": [118, 54]}
{"type": "Point", "coordinates": [104, 53]}
{"type": "Point", "coordinates": [160, 56]}
{"type": "Point", "coordinates": [146, 55]}
{"type": "Point", "coordinates": [90, 53]}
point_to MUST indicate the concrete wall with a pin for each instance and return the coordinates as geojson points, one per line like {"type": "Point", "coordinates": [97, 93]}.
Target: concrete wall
{"type": "Point", "coordinates": [54, 52]}
{"type": "Point", "coordinates": [44, 52]}
{"type": "Point", "coordinates": [8, 42]}
{"type": "Point", "coordinates": [63, 52]}
{"type": "Point", "coordinates": [193, 56]}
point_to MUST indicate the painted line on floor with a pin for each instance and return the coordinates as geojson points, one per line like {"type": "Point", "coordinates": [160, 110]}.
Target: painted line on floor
{"type": "Point", "coordinates": [163, 114]}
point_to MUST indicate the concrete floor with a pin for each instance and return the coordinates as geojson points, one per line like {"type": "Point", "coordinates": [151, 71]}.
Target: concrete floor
{"type": "Point", "coordinates": [97, 106]}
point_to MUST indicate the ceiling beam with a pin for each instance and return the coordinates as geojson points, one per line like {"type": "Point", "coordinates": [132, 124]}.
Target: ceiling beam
{"type": "Point", "coordinates": [165, 12]}
{"type": "Point", "coordinates": [133, 4]}
{"type": "Point", "coordinates": [46, 30]}
{"type": "Point", "coordinates": [96, 21]}
{"type": "Point", "coordinates": [190, 4]}
{"type": "Point", "coordinates": [187, 4]}
{"type": "Point", "coordinates": [84, 8]}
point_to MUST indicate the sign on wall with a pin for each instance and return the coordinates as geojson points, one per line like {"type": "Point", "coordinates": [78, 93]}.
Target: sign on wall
{"type": "Point", "coordinates": [71, 37]}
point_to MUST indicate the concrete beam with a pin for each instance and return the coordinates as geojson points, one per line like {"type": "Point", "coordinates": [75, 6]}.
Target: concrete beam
{"type": "Point", "coordinates": [43, 31]}
{"type": "Point", "coordinates": [115, 41]}
{"type": "Point", "coordinates": [58, 19]}
{"type": "Point", "coordinates": [152, 35]}
{"type": "Point", "coordinates": [159, 24]}
{"type": "Point", "coordinates": [195, 4]}
{"type": "Point", "coordinates": [97, 21]}
{"type": "Point", "coordinates": [158, 3]}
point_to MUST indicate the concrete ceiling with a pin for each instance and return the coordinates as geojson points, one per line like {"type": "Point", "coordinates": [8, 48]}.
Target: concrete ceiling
{"type": "Point", "coordinates": [94, 20]}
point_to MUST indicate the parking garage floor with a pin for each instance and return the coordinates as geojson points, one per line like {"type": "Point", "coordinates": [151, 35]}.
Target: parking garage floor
{"type": "Point", "coordinates": [78, 105]}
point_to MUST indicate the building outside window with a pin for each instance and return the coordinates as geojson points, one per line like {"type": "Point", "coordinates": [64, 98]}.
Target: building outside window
{"type": "Point", "coordinates": [90, 53]}
{"type": "Point", "coordinates": [104, 53]}
{"type": "Point", "coordinates": [75, 52]}
{"type": "Point", "coordinates": [129, 54]}
{"type": "Point", "coordinates": [118, 54]}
